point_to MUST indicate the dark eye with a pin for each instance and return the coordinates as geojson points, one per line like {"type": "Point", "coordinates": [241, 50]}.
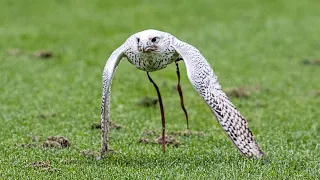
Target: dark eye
{"type": "Point", "coordinates": [155, 39]}
{"type": "Point", "coordinates": [138, 39]}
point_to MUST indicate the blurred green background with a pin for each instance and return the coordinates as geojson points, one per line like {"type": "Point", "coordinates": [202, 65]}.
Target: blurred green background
{"type": "Point", "coordinates": [272, 46]}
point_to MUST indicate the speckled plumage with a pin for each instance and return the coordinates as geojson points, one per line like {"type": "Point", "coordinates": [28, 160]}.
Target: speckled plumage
{"type": "Point", "coordinates": [152, 50]}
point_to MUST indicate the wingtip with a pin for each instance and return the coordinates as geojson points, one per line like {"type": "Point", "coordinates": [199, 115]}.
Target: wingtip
{"type": "Point", "coordinates": [257, 153]}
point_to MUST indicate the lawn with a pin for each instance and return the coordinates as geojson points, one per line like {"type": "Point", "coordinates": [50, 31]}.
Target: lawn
{"type": "Point", "coordinates": [271, 46]}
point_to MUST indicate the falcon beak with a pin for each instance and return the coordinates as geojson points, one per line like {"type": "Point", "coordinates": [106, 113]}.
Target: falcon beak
{"type": "Point", "coordinates": [149, 49]}
{"type": "Point", "coordinates": [146, 49]}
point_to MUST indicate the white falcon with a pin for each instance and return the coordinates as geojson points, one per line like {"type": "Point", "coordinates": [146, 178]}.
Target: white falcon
{"type": "Point", "coordinates": [152, 50]}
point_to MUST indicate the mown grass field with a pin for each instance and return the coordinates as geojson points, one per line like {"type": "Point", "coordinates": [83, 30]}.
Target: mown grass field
{"type": "Point", "coordinates": [260, 44]}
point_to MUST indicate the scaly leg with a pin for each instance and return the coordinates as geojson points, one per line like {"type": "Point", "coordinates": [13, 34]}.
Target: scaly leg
{"type": "Point", "coordinates": [162, 114]}
{"type": "Point", "coordinates": [181, 95]}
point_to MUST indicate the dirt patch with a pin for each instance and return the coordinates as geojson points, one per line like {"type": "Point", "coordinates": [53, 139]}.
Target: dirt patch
{"type": "Point", "coordinates": [44, 166]}
{"type": "Point", "coordinates": [51, 144]}
{"type": "Point", "coordinates": [111, 125]}
{"type": "Point", "coordinates": [186, 133]}
{"type": "Point", "coordinates": [261, 104]}
{"type": "Point", "coordinates": [316, 93]}
{"type": "Point", "coordinates": [148, 102]}
{"type": "Point", "coordinates": [90, 153]}
{"type": "Point", "coordinates": [237, 92]}
{"type": "Point", "coordinates": [43, 54]}
{"type": "Point", "coordinates": [149, 133]}
{"type": "Point", "coordinates": [40, 164]}
{"type": "Point", "coordinates": [242, 92]}
{"type": "Point", "coordinates": [14, 52]}
{"type": "Point", "coordinates": [311, 61]}
{"type": "Point", "coordinates": [95, 126]}
{"type": "Point", "coordinates": [60, 139]}
{"type": "Point", "coordinates": [33, 142]}
{"type": "Point", "coordinates": [56, 142]}
{"type": "Point", "coordinates": [114, 125]}
{"type": "Point", "coordinates": [151, 137]}
{"type": "Point", "coordinates": [68, 161]}
{"type": "Point", "coordinates": [145, 141]}
{"type": "Point", "coordinates": [45, 115]}
{"type": "Point", "coordinates": [34, 138]}
{"type": "Point", "coordinates": [170, 140]}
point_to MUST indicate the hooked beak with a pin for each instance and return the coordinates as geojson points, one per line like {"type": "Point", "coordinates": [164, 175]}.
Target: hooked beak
{"type": "Point", "coordinates": [146, 49]}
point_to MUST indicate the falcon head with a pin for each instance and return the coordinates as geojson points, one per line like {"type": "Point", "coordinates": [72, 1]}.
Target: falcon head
{"type": "Point", "coordinates": [151, 41]}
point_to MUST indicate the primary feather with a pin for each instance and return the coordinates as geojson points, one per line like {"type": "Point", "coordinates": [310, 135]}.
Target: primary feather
{"type": "Point", "coordinates": [152, 50]}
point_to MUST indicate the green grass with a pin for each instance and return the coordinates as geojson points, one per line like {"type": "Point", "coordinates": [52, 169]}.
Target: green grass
{"type": "Point", "coordinates": [248, 43]}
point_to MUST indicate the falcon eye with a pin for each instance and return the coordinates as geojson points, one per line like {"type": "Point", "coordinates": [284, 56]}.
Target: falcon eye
{"type": "Point", "coordinates": [155, 39]}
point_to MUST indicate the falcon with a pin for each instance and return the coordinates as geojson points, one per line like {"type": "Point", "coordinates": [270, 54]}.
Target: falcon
{"type": "Point", "coordinates": [152, 50]}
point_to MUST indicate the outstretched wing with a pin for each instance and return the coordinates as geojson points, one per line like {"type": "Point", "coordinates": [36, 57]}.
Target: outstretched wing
{"type": "Point", "coordinates": [206, 84]}
{"type": "Point", "coordinates": [107, 77]}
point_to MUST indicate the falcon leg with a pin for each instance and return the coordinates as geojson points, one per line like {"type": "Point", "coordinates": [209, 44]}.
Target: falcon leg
{"type": "Point", "coordinates": [104, 122]}
{"type": "Point", "coordinates": [181, 95]}
{"type": "Point", "coordinates": [162, 114]}
{"type": "Point", "coordinates": [104, 134]}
